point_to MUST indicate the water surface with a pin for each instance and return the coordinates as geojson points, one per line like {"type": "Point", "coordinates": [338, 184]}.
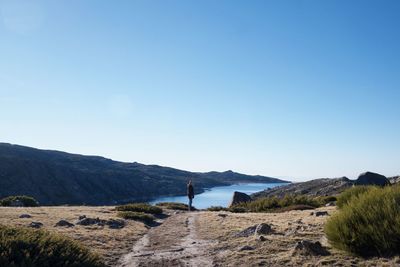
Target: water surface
{"type": "Point", "coordinates": [219, 195]}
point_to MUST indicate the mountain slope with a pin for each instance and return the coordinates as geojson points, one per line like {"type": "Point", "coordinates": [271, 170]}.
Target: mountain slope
{"type": "Point", "coordinates": [54, 178]}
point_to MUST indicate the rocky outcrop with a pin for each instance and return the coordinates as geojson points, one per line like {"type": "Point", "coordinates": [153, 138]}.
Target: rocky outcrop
{"type": "Point", "coordinates": [64, 223]}
{"type": "Point", "coordinates": [23, 216]}
{"type": "Point", "coordinates": [36, 225]}
{"type": "Point", "coordinates": [370, 178]}
{"type": "Point", "coordinates": [309, 248]}
{"type": "Point", "coordinates": [239, 197]}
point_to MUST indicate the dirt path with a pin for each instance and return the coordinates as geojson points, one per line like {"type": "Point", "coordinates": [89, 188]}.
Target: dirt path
{"type": "Point", "coordinates": [174, 243]}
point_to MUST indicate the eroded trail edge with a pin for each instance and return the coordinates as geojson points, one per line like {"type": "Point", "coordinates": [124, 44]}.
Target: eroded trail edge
{"type": "Point", "coordinates": [174, 243]}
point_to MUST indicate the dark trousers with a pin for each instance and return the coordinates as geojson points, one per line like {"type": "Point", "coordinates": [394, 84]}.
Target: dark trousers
{"type": "Point", "coordinates": [190, 203]}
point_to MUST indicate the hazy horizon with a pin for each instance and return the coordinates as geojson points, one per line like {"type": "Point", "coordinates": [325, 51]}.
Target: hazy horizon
{"type": "Point", "coordinates": [289, 89]}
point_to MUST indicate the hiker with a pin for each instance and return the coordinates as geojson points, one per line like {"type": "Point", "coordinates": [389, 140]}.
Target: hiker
{"type": "Point", "coordinates": [190, 193]}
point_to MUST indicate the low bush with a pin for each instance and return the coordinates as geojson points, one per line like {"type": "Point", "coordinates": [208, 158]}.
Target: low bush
{"type": "Point", "coordinates": [140, 207]}
{"type": "Point", "coordinates": [174, 205]}
{"type": "Point", "coordinates": [295, 207]}
{"type": "Point", "coordinates": [37, 248]}
{"type": "Point", "coordinates": [136, 216]}
{"type": "Point", "coordinates": [217, 208]}
{"type": "Point", "coordinates": [368, 224]}
{"type": "Point", "coordinates": [24, 201]}
{"type": "Point", "coordinates": [346, 196]}
{"type": "Point", "coordinates": [326, 199]}
{"type": "Point", "coordinates": [268, 204]}
{"type": "Point", "coordinates": [237, 209]}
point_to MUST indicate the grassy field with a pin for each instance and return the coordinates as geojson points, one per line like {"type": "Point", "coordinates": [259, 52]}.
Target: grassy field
{"type": "Point", "coordinates": [111, 244]}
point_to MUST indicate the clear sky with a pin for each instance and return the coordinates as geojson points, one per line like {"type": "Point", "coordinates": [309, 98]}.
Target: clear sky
{"type": "Point", "coordinates": [298, 89]}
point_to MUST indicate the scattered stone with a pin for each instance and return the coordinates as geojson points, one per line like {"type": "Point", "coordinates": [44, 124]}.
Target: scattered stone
{"type": "Point", "coordinates": [299, 221]}
{"type": "Point", "coordinates": [64, 223]}
{"type": "Point", "coordinates": [246, 232]}
{"type": "Point", "coordinates": [370, 178]}
{"type": "Point", "coordinates": [35, 225]}
{"type": "Point", "coordinates": [309, 248]}
{"type": "Point", "coordinates": [223, 215]}
{"type": "Point", "coordinates": [22, 216]}
{"type": "Point", "coordinates": [261, 238]}
{"type": "Point", "coordinates": [246, 248]}
{"type": "Point", "coordinates": [263, 229]}
{"type": "Point", "coordinates": [330, 204]}
{"type": "Point", "coordinates": [239, 197]}
{"type": "Point", "coordinates": [312, 213]}
{"type": "Point", "coordinates": [91, 221]}
{"type": "Point", "coordinates": [116, 223]}
{"type": "Point", "coordinates": [321, 213]}
{"type": "Point", "coordinates": [81, 217]}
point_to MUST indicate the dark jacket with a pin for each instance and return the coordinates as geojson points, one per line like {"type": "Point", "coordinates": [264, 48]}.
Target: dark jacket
{"type": "Point", "coordinates": [190, 191]}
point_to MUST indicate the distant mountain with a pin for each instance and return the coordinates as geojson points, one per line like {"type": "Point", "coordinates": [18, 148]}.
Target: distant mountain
{"type": "Point", "coordinates": [55, 178]}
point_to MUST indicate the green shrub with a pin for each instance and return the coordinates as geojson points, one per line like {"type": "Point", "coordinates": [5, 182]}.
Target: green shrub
{"type": "Point", "coordinates": [237, 209]}
{"type": "Point", "coordinates": [295, 207]}
{"type": "Point", "coordinates": [217, 208]}
{"type": "Point", "coordinates": [25, 201]}
{"type": "Point", "coordinates": [173, 205]}
{"type": "Point", "coordinates": [268, 204]}
{"type": "Point", "coordinates": [369, 223]}
{"type": "Point", "coordinates": [140, 207]}
{"type": "Point", "coordinates": [347, 195]}
{"type": "Point", "coordinates": [37, 248]}
{"type": "Point", "coordinates": [136, 216]}
{"type": "Point", "coordinates": [326, 199]}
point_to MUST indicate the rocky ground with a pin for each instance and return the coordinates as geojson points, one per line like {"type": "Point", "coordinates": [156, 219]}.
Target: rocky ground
{"type": "Point", "coordinates": [203, 238]}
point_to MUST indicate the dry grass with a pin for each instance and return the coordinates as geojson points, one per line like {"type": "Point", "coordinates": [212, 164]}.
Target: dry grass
{"type": "Point", "coordinates": [290, 227]}
{"type": "Point", "coordinates": [111, 244]}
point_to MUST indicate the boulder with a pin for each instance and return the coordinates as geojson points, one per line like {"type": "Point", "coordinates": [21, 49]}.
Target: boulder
{"type": "Point", "coordinates": [35, 225]}
{"type": "Point", "coordinates": [239, 197]}
{"type": "Point", "coordinates": [246, 232]}
{"type": "Point", "coordinates": [309, 248]}
{"type": "Point", "coordinates": [246, 248]}
{"type": "Point", "coordinates": [116, 223]}
{"type": "Point", "coordinates": [370, 178]}
{"type": "Point", "coordinates": [64, 223]}
{"type": "Point", "coordinates": [22, 216]}
{"type": "Point", "coordinates": [263, 229]}
{"type": "Point", "coordinates": [321, 213]}
{"type": "Point", "coordinates": [261, 238]}
{"type": "Point", "coordinates": [81, 217]}
{"type": "Point", "coordinates": [91, 221]}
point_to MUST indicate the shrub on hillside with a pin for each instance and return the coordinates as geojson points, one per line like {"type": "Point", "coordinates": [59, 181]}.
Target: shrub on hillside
{"type": "Point", "coordinates": [267, 204]}
{"type": "Point", "coordinates": [36, 248]}
{"type": "Point", "coordinates": [140, 207]}
{"type": "Point", "coordinates": [24, 201]}
{"type": "Point", "coordinates": [174, 206]}
{"type": "Point", "coordinates": [350, 193]}
{"type": "Point", "coordinates": [217, 208]}
{"type": "Point", "coordinates": [136, 216]}
{"type": "Point", "coordinates": [326, 199]}
{"type": "Point", "coordinates": [369, 223]}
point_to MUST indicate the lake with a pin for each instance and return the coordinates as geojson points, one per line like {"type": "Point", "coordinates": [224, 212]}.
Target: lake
{"type": "Point", "coordinates": [219, 195]}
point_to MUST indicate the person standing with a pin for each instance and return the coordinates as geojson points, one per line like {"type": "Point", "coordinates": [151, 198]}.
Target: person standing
{"type": "Point", "coordinates": [190, 193]}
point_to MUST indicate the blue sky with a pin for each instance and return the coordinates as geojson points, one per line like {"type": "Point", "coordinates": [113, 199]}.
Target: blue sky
{"type": "Point", "coordinates": [298, 89]}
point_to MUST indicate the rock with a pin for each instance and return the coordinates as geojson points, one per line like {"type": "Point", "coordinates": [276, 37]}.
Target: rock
{"type": "Point", "coordinates": [22, 216]}
{"type": "Point", "coordinates": [309, 248]}
{"type": "Point", "coordinates": [91, 221]}
{"type": "Point", "coordinates": [261, 238]}
{"type": "Point", "coordinates": [330, 204]}
{"type": "Point", "coordinates": [81, 217]}
{"type": "Point", "coordinates": [370, 178]}
{"type": "Point", "coordinates": [246, 248]}
{"type": "Point", "coordinates": [321, 213]}
{"type": "Point", "coordinates": [263, 229]}
{"type": "Point", "coordinates": [312, 213]}
{"type": "Point", "coordinates": [35, 224]}
{"type": "Point", "coordinates": [116, 223]}
{"type": "Point", "coordinates": [246, 232]}
{"type": "Point", "coordinates": [223, 215]}
{"type": "Point", "coordinates": [239, 197]}
{"type": "Point", "coordinates": [63, 223]}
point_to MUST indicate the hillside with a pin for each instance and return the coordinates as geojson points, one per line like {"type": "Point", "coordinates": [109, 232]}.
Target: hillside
{"type": "Point", "coordinates": [55, 178]}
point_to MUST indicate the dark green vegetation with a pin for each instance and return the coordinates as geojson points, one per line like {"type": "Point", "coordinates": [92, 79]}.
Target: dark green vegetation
{"type": "Point", "coordinates": [350, 193]}
{"type": "Point", "coordinates": [38, 248]}
{"type": "Point", "coordinates": [174, 206]}
{"type": "Point", "coordinates": [137, 216]}
{"type": "Point", "coordinates": [368, 223]}
{"type": "Point", "coordinates": [55, 178]}
{"type": "Point", "coordinates": [24, 201]}
{"type": "Point", "coordinates": [269, 204]}
{"type": "Point", "coordinates": [217, 208]}
{"type": "Point", "coordinates": [140, 207]}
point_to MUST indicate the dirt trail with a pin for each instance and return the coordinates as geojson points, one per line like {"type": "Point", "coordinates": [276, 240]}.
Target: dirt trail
{"type": "Point", "coordinates": [174, 243]}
